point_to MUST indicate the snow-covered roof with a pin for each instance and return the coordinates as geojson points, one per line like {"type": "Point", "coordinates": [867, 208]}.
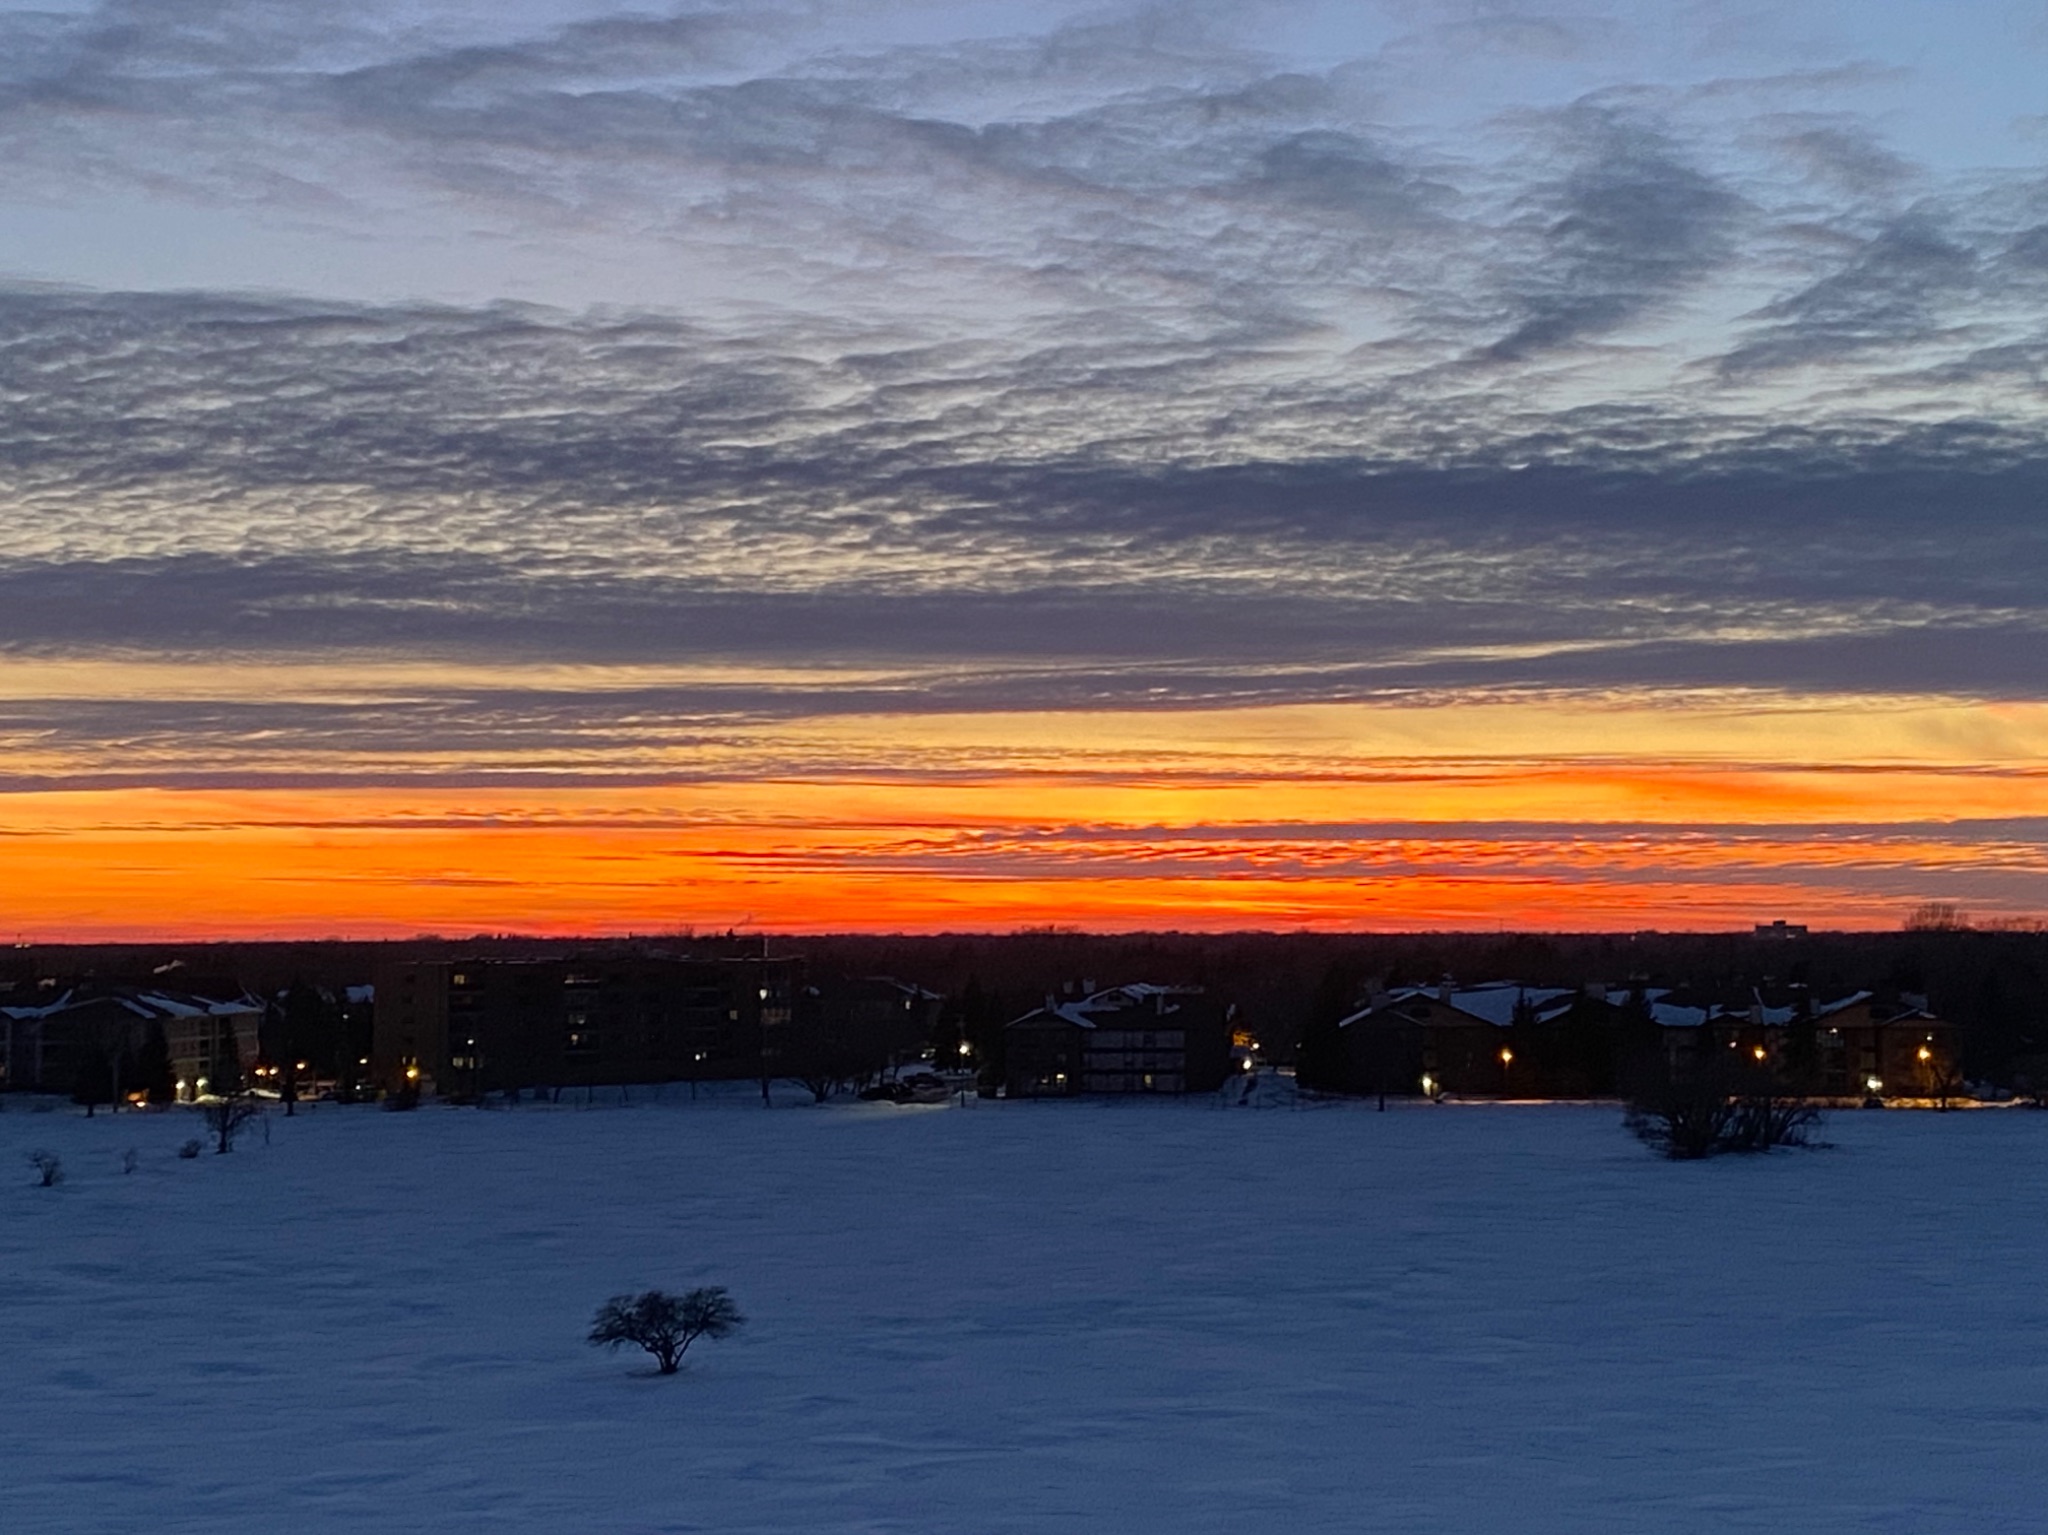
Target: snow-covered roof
{"type": "Point", "coordinates": [1673, 1015]}
{"type": "Point", "coordinates": [1495, 1002]}
{"type": "Point", "coordinates": [1491, 1002]}
{"type": "Point", "coordinates": [152, 1005]}
{"type": "Point", "coordinates": [1102, 1006]}
{"type": "Point", "coordinates": [21, 1013]}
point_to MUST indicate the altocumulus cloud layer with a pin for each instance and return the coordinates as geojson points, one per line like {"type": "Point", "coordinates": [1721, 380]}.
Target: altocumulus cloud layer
{"type": "Point", "coordinates": [1210, 352]}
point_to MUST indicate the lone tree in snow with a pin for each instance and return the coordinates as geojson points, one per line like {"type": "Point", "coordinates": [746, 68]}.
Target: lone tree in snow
{"type": "Point", "coordinates": [227, 1118]}
{"type": "Point", "coordinates": [663, 1324]}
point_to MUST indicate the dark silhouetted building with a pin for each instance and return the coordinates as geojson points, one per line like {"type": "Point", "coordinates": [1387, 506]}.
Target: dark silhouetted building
{"type": "Point", "coordinates": [1128, 1039]}
{"type": "Point", "coordinates": [466, 1026]}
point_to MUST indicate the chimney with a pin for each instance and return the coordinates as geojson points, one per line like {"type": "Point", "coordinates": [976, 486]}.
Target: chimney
{"type": "Point", "coordinates": [1444, 987]}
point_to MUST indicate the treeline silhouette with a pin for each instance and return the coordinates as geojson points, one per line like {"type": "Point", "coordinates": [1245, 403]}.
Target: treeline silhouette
{"type": "Point", "coordinates": [1993, 984]}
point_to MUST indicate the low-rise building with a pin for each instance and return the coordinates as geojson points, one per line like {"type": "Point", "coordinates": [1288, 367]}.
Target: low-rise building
{"type": "Point", "coordinates": [1128, 1039]}
{"type": "Point", "coordinates": [465, 1026]}
{"type": "Point", "coordinates": [1506, 1039]}
{"type": "Point", "coordinates": [47, 1036]}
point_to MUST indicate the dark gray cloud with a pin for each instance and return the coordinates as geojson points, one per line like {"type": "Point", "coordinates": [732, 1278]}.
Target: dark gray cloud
{"type": "Point", "coordinates": [196, 473]}
{"type": "Point", "coordinates": [1630, 227]}
{"type": "Point", "coordinates": [1903, 287]}
{"type": "Point", "coordinates": [1120, 361]}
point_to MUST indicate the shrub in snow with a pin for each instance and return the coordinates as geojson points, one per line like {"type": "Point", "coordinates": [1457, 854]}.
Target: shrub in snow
{"type": "Point", "coordinates": [1684, 1120]}
{"type": "Point", "coordinates": [1702, 1113]}
{"type": "Point", "coordinates": [1762, 1122]}
{"type": "Point", "coordinates": [130, 1160]}
{"type": "Point", "coordinates": [49, 1171]}
{"type": "Point", "coordinates": [190, 1149]}
{"type": "Point", "coordinates": [665, 1325]}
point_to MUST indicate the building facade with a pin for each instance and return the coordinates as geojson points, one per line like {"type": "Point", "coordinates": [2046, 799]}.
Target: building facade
{"type": "Point", "coordinates": [1128, 1039]}
{"type": "Point", "coordinates": [1503, 1039]}
{"type": "Point", "coordinates": [50, 1032]}
{"type": "Point", "coordinates": [461, 1027]}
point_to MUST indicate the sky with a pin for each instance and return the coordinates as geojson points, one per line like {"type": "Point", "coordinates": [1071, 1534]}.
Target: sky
{"type": "Point", "coordinates": [545, 466]}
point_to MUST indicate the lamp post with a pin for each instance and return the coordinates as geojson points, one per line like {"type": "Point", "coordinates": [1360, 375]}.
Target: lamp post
{"type": "Point", "coordinates": [1507, 1059]}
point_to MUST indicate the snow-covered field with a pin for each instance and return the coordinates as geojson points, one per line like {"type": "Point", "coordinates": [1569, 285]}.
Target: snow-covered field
{"type": "Point", "coordinates": [1026, 1317]}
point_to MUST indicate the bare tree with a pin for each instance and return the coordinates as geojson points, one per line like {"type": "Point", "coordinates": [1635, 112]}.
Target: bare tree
{"type": "Point", "coordinates": [665, 1325]}
{"type": "Point", "coordinates": [1936, 917]}
{"type": "Point", "coordinates": [226, 1118]}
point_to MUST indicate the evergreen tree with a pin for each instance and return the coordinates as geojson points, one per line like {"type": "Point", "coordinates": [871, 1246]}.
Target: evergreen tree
{"type": "Point", "coordinates": [982, 1021]}
{"type": "Point", "coordinates": [1322, 1061]}
{"type": "Point", "coordinates": [224, 1063]}
{"type": "Point", "coordinates": [91, 1084]}
{"type": "Point", "coordinates": [146, 1067]}
{"type": "Point", "coordinates": [1801, 1065]}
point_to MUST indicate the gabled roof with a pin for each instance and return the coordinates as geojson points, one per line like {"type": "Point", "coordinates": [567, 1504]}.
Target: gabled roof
{"type": "Point", "coordinates": [1495, 1002]}
{"type": "Point", "coordinates": [1102, 1007]}
{"type": "Point", "coordinates": [1491, 1002]}
{"type": "Point", "coordinates": [154, 1004]}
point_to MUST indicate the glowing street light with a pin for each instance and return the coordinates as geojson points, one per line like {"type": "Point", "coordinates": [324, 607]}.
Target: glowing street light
{"type": "Point", "coordinates": [1926, 1055]}
{"type": "Point", "coordinates": [1759, 1052]}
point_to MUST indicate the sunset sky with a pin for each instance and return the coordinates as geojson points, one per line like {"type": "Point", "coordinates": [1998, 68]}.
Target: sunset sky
{"type": "Point", "coordinates": [553, 466]}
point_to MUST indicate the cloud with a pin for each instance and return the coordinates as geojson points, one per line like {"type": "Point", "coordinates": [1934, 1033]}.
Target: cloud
{"type": "Point", "coordinates": [1631, 226]}
{"type": "Point", "coordinates": [1898, 290]}
{"type": "Point", "coordinates": [1845, 154]}
{"type": "Point", "coordinates": [1120, 358]}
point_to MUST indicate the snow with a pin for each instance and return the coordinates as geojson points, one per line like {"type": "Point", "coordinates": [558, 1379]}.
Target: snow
{"type": "Point", "coordinates": [1158, 1317]}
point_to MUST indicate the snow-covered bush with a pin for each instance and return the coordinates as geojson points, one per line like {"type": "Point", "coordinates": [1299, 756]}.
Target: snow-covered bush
{"type": "Point", "coordinates": [665, 1325]}
{"type": "Point", "coordinates": [49, 1170]}
{"type": "Point", "coordinates": [191, 1149]}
